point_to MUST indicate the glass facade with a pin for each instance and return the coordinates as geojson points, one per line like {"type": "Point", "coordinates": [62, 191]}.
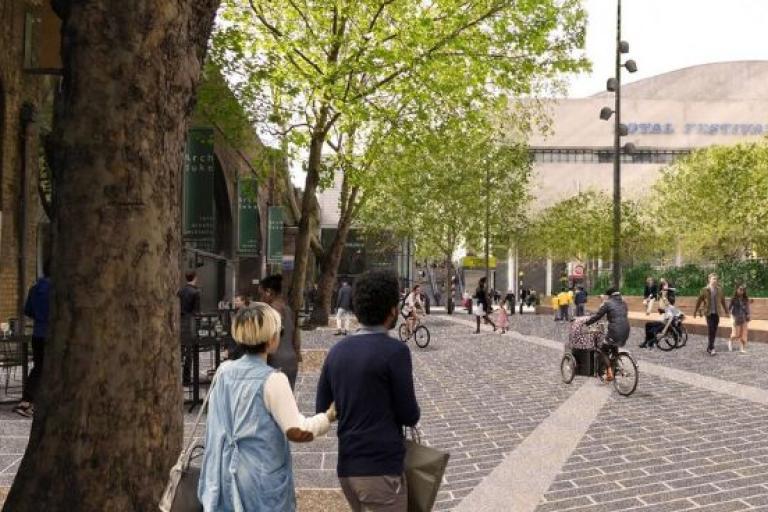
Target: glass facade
{"type": "Point", "coordinates": [604, 156]}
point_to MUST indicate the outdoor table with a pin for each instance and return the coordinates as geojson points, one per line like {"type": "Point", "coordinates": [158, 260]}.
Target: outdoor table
{"type": "Point", "coordinates": [24, 341]}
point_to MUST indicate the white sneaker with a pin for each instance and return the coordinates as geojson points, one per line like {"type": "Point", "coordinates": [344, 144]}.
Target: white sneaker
{"type": "Point", "coordinates": [743, 350]}
{"type": "Point", "coordinates": [713, 352]}
{"type": "Point", "coordinates": [730, 346]}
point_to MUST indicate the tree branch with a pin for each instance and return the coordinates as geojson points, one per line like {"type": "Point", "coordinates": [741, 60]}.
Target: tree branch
{"type": "Point", "coordinates": [429, 52]}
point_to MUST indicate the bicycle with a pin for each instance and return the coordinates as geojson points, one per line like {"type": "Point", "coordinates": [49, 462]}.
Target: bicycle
{"type": "Point", "coordinates": [597, 361]}
{"type": "Point", "coordinates": [420, 333]}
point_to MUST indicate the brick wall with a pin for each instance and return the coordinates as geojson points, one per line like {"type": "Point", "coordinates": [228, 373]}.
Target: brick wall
{"type": "Point", "coordinates": [16, 88]}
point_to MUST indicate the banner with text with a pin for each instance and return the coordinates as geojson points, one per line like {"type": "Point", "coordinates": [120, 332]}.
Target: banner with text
{"type": "Point", "coordinates": [199, 167]}
{"type": "Point", "coordinates": [249, 230]}
{"type": "Point", "coordinates": [275, 238]}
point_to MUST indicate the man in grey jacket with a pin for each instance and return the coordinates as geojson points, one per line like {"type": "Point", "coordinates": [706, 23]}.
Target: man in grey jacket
{"type": "Point", "coordinates": [343, 308]}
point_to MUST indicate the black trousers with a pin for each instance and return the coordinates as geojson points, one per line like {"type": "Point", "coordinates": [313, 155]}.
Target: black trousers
{"type": "Point", "coordinates": [713, 321]}
{"type": "Point", "coordinates": [33, 381]}
{"type": "Point", "coordinates": [651, 330]}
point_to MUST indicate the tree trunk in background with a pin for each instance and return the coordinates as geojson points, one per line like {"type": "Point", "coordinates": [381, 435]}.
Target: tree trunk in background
{"type": "Point", "coordinates": [108, 419]}
{"type": "Point", "coordinates": [449, 298]}
{"type": "Point", "coordinates": [329, 268]}
{"type": "Point", "coordinates": [303, 237]}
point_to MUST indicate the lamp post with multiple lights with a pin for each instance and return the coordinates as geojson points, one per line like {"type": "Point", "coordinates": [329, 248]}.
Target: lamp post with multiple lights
{"type": "Point", "coordinates": [619, 130]}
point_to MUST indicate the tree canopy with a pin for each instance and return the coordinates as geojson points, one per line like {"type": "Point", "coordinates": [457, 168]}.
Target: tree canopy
{"type": "Point", "coordinates": [713, 201]}
{"type": "Point", "coordinates": [581, 227]}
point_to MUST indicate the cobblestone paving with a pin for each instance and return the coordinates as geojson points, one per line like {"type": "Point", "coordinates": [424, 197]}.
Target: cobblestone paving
{"type": "Point", "coordinates": [479, 395]}
{"type": "Point", "coordinates": [750, 368]}
{"type": "Point", "coordinates": [669, 447]}
{"type": "Point", "coordinates": [672, 447]}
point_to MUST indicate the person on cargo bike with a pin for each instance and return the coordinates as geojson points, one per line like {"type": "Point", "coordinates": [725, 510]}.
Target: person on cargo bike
{"type": "Point", "coordinates": [615, 309]}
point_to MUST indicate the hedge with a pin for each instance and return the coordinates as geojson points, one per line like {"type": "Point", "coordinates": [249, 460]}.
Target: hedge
{"type": "Point", "coordinates": [689, 279]}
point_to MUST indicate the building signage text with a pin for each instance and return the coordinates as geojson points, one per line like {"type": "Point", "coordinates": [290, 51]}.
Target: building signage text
{"type": "Point", "coordinates": [732, 129]}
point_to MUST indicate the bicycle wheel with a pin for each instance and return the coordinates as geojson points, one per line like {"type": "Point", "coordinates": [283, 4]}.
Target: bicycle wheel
{"type": "Point", "coordinates": [625, 374]}
{"type": "Point", "coordinates": [568, 368]}
{"type": "Point", "coordinates": [667, 342]}
{"type": "Point", "coordinates": [683, 336]}
{"type": "Point", "coordinates": [403, 332]}
{"type": "Point", "coordinates": [421, 336]}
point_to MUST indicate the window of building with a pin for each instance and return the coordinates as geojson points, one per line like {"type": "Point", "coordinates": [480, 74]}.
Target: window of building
{"type": "Point", "coordinates": [604, 155]}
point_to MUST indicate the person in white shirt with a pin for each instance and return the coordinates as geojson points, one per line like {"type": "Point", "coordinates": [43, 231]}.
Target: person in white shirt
{"type": "Point", "coordinates": [251, 417]}
{"type": "Point", "coordinates": [414, 307]}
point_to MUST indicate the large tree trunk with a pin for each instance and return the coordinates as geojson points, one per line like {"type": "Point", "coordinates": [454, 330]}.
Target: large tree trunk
{"type": "Point", "coordinates": [329, 268]}
{"type": "Point", "coordinates": [108, 419]}
{"type": "Point", "coordinates": [301, 257]}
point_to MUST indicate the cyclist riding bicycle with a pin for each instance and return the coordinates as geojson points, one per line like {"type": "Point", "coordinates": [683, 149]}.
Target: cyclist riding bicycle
{"type": "Point", "coordinates": [615, 309]}
{"type": "Point", "coordinates": [413, 308]}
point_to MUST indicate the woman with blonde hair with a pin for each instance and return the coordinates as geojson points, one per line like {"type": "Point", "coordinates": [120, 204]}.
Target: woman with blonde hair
{"type": "Point", "coordinates": [251, 417]}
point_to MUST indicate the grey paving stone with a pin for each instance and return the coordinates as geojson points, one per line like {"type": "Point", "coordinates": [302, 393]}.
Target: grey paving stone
{"type": "Point", "coordinates": [564, 504]}
{"type": "Point", "coordinates": [730, 495]}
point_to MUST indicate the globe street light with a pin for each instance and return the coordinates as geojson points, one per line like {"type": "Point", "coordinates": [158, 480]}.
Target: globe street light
{"type": "Point", "coordinates": [619, 130]}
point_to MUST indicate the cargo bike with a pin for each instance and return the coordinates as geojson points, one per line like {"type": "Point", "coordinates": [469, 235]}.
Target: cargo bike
{"type": "Point", "coordinates": [588, 354]}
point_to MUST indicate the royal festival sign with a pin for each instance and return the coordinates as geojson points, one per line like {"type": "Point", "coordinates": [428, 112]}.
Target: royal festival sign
{"type": "Point", "coordinates": [726, 129]}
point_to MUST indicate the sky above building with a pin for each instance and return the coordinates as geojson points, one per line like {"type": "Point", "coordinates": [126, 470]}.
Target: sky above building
{"type": "Point", "coordinates": [665, 35]}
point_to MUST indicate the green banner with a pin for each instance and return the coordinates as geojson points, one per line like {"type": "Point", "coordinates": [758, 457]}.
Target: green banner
{"type": "Point", "coordinates": [249, 231]}
{"type": "Point", "coordinates": [199, 169]}
{"type": "Point", "coordinates": [275, 238]}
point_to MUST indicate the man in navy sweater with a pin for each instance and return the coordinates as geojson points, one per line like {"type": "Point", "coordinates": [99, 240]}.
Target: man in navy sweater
{"type": "Point", "coordinates": [370, 377]}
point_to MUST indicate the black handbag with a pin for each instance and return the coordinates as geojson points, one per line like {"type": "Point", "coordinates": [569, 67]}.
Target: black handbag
{"type": "Point", "coordinates": [424, 470]}
{"type": "Point", "coordinates": [180, 493]}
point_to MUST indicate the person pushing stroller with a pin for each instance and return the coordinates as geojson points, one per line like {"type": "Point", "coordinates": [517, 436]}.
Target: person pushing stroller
{"type": "Point", "coordinates": [615, 309]}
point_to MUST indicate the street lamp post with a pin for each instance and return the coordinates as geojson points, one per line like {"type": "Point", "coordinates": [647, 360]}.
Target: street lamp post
{"type": "Point", "coordinates": [487, 227]}
{"type": "Point", "coordinates": [619, 130]}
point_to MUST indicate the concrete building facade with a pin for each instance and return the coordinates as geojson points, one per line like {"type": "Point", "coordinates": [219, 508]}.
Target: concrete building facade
{"type": "Point", "coordinates": [667, 116]}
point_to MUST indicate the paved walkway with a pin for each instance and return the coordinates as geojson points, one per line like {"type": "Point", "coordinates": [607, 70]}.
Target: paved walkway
{"type": "Point", "coordinates": [693, 437]}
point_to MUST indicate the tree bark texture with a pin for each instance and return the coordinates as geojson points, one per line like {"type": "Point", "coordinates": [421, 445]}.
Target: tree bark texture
{"type": "Point", "coordinates": [329, 269]}
{"type": "Point", "coordinates": [108, 419]}
{"type": "Point", "coordinates": [301, 257]}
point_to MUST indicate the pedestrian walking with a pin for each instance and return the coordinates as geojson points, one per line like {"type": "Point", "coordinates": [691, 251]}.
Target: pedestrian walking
{"type": "Point", "coordinates": [343, 309]}
{"type": "Point", "coordinates": [509, 299]}
{"type": "Point", "coordinates": [711, 304]}
{"type": "Point", "coordinates": [524, 294]}
{"type": "Point", "coordinates": [189, 298]}
{"type": "Point", "coordinates": [556, 306]}
{"type": "Point", "coordinates": [252, 414]}
{"type": "Point", "coordinates": [369, 376]}
{"type": "Point", "coordinates": [580, 299]}
{"type": "Point", "coordinates": [37, 308]}
{"type": "Point", "coordinates": [483, 305]}
{"type": "Point", "coordinates": [740, 316]}
{"type": "Point", "coordinates": [650, 294]}
{"type": "Point", "coordinates": [288, 354]}
{"type": "Point", "coordinates": [502, 317]}
{"type": "Point", "coordinates": [563, 301]}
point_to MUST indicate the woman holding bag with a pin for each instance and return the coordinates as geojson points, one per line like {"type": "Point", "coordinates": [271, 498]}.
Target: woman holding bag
{"type": "Point", "coordinates": [483, 306]}
{"type": "Point", "coordinates": [252, 415]}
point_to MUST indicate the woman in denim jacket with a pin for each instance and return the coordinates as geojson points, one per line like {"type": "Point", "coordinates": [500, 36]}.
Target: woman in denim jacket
{"type": "Point", "coordinates": [251, 417]}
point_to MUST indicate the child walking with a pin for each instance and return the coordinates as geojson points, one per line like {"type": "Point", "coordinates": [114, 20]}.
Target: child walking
{"type": "Point", "coordinates": [502, 317]}
{"type": "Point", "coordinates": [739, 309]}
